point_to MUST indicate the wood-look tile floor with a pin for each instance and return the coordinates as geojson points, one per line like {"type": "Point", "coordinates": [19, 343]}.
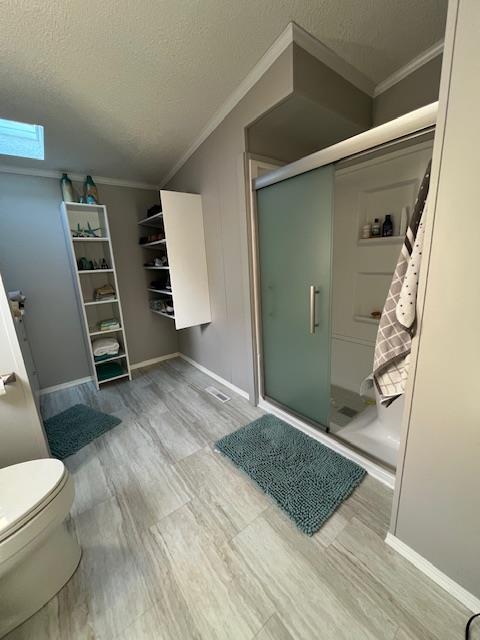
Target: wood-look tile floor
{"type": "Point", "coordinates": [178, 544]}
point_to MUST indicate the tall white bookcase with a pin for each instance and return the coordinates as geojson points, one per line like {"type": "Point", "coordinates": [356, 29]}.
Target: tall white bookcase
{"type": "Point", "coordinates": [92, 311]}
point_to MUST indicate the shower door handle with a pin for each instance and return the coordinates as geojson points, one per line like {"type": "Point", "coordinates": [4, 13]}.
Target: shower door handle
{"type": "Point", "coordinates": [313, 322]}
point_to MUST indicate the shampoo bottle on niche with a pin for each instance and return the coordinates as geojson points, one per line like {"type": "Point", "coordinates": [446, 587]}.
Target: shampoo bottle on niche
{"type": "Point", "coordinates": [375, 228]}
{"type": "Point", "coordinates": [387, 227]}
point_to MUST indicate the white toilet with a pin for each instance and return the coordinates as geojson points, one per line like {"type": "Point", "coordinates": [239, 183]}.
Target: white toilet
{"type": "Point", "coordinates": [37, 554]}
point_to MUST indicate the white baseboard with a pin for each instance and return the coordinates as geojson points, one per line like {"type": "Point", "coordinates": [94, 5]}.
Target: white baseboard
{"type": "Point", "coordinates": [65, 385]}
{"type": "Point", "coordinates": [148, 363]}
{"type": "Point", "coordinates": [375, 470]}
{"type": "Point", "coordinates": [451, 587]}
{"type": "Point", "coordinates": [216, 377]}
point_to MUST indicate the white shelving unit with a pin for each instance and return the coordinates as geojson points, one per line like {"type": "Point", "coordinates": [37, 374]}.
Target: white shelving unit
{"type": "Point", "coordinates": [87, 280]}
{"type": "Point", "coordinates": [181, 223]}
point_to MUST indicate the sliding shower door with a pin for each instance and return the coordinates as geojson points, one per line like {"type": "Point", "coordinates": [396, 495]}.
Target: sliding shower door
{"type": "Point", "coordinates": [294, 241]}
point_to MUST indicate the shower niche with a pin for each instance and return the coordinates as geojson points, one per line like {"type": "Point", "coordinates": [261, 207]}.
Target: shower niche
{"type": "Point", "coordinates": [381, 200]}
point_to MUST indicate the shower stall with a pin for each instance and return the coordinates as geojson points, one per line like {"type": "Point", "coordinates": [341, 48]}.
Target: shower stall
{"type": "Point", "coordinates": [320, 286]}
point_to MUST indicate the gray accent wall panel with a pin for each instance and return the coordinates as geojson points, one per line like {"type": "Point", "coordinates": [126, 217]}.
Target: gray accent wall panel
{"type": "Point", "coordinates": [415, 91]}
{"type": "Point", "coordinates": [33, 257]}
{"type": "Point", "coordinates": [438, 513]}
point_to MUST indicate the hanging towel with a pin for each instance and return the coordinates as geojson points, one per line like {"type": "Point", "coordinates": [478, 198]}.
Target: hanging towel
{"type": "Point", "coordinates": [397, 324]}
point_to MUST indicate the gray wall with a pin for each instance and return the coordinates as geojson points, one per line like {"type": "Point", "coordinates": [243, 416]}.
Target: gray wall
{"type": "Point", "coordinates": [33, 257]}
{"type": "Point", "coordinates": [216, 170]}
{"type": "Point", "coordinates": [414, 91]}
{"type": "Point", "coordinates": [438, 512]}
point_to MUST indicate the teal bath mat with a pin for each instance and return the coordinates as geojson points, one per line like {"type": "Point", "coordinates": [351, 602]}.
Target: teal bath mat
{"type": "Point", "coordinates": [69, 431]}
{"type": "Point", "coordinates": [308, 480]}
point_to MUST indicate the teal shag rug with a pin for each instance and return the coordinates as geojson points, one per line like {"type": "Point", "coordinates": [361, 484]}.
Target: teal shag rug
{"type": "Point", "coordinates": [305, 478]}
{"type": "Point", "coordinates": [69, 431]}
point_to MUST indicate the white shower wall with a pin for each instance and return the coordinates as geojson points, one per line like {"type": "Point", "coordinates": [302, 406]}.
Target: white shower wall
{"type": "Point", "coordinates": [362, 270]}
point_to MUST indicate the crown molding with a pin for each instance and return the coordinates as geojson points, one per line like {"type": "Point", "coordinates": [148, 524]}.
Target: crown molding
{"type": "Point", "coordinates": [283, 41]}
{"type": "Point", "coordinates": [292, 33]}
{"type": "Point", "coordinates": [414, 64]}
{"type": "Point", "coordinates": [77, 177]}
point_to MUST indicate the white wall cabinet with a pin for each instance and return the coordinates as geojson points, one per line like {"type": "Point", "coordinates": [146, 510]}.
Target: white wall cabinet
{"type": "Point", "coordinates": [181, 225]}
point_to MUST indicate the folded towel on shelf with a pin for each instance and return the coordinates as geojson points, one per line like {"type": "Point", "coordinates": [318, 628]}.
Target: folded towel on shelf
{"type": "Point", "coordinates": [107, 356]}
{"type": "Point", "coordinates": [109, 324]}
{"type": "Point", "coordinates": [105, 292]}
{"type": "Point", "coordinates": [105, 347]}
{"type": "Point", "coordinates": [109, 370]}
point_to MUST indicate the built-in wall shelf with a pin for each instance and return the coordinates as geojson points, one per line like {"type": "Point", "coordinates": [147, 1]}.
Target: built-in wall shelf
{"type": "Point", "coordinates": [378, 241]}
{"type": "Point", "coordinates": [164, 291]}
{"type": "Point", "coordinates": [162, 313]}
{"type": "Point", "coordinates": [366, 319]}
{"type": "Point", "coordinates": [92, 311]}
{"type": "Point", "coordinates": [185, 279]}
{"type": "Point", "coordinates": [153, 221]}
{"type": "Point", "coordinates": [153, 268]}
{"type": "Point", "coordinates": [156, 243]}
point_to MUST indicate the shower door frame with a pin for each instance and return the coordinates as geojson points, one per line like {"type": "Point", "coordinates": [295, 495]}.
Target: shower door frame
{"type": "Point", "coordinates": [413, 123]}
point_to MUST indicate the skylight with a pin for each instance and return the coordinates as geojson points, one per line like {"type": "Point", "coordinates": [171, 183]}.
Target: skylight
{"type": "Point", "coordinates": [21, 139]}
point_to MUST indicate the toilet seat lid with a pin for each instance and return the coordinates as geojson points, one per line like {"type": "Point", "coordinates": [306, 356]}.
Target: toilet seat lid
{"type": "Point", "coordinates": [24, 488]}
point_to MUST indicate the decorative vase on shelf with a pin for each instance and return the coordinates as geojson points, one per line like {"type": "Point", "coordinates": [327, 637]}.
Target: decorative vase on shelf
{"type": "Point", "coordinates": [67, 188]}
{"type": "Point", "coordinates": [91, 193]}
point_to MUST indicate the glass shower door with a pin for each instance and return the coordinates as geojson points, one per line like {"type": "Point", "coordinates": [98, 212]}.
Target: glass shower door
{"type": "Point", "coordinates": [294, 238]}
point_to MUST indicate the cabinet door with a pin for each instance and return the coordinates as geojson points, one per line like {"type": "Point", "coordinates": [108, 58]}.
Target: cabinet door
{"type": "Point", "coordinates": [294, 229]}
{"type": "Point", "coordinates": [183, 220]}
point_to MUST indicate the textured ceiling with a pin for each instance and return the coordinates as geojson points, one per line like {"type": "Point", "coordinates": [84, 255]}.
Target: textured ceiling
{"type": "Point", "coordinates": [123, 88]}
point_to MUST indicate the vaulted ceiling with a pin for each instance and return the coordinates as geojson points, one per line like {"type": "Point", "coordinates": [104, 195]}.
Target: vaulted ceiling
{"type": "Point", "coordinates": [124, 88]}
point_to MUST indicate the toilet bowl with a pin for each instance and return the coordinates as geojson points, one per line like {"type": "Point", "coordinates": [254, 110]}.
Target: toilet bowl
{"type": "Point", "coordinates": [377, 430]}
{"type": "Point", "coordinates": [37, 554]}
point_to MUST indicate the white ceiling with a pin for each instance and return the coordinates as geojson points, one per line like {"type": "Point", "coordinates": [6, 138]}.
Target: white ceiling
{"type": "Point", "coordinates": [123, 88]}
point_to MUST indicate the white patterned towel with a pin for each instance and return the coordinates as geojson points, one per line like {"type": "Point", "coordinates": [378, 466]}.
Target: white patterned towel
{"type": "Point", "coordinates": [397, 324]}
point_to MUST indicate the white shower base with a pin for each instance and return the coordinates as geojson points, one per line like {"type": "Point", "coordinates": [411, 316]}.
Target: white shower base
{"type": "Point", "coordinates": [374, 430]}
